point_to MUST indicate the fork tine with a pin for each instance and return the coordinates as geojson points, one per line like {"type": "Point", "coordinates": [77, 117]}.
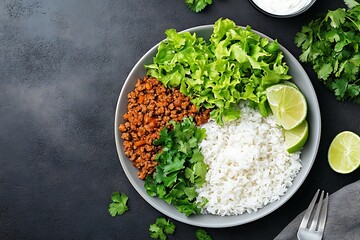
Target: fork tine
{"type": "Point", "coordinates": [307, 214]}
{"type": "Point", "coordinates": [323, 215]}
{"type": "Point", "coordinates": [317, 212]}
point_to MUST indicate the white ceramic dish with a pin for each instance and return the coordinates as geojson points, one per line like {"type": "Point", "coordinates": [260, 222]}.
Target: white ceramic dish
{"type": "Point", "coordinates": [288, 14]}
{"type": "Point", "coordinates": [308, 154]}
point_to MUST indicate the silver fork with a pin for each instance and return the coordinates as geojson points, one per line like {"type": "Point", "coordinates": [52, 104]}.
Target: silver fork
{"type": "Point", "coordinates": [317, 225]}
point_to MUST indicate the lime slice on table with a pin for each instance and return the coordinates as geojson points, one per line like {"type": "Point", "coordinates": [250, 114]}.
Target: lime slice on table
{"type": "Point", "coordinates": [296, 138]}
{"type": "Point", "coordinates": [288, 105]}
{"type": "Point", "coordinates": [344, 152]}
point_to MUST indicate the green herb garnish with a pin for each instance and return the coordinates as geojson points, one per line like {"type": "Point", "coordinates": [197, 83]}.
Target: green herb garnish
{"type": "Point", "coordinates": [331, 45]}
{"type": "Point", "coordinates": [197, 5]}
{"type": "Point", "coordinates": [160, 228]}
{"type": "Point", "coordinates": [118, 205]}
{"type": "Point", "coordinates": [180, 168]}
{"type": "Point", "coordinates": [235, 64]}
{"type": "Point", "coordinates": [201, 234]}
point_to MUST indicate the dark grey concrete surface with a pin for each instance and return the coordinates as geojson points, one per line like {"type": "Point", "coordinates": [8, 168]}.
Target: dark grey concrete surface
{"type": "Point", "coordinates": [62, 66]}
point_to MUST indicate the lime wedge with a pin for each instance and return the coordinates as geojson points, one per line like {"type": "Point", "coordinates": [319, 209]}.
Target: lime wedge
{"type": "Point", "coordinates": [344, 152]}
{"type": "Point", "coordinates": [296, 138]}
{"type": "Point", "coordinates": [290, 84]}
{"type": "Point", "coordinates": [288, 105]}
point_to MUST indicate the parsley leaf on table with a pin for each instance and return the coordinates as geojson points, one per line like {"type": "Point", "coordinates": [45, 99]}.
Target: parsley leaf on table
{"type": "Point", "coordinates": [160, 228]}
{"type": "Point", "coordinates": [118, 205]}
{"type": "Point", "coordinates": [331, 45]}
{"type": "Point", "coordinates": [201, 234]}
{"type": "Point", "coordinates": [197, 5]}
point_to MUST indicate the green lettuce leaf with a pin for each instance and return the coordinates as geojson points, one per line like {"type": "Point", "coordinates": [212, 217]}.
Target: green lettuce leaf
{"type": "Point", "coordinates": [235, 64]}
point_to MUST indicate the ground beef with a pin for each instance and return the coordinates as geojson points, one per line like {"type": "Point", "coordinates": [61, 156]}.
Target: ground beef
{"type": "Point", "coordinates": [150, 107]}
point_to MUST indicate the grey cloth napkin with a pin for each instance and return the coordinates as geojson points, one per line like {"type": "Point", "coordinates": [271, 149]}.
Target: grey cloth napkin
{"type": "Point", "coordinates": [343, 221]}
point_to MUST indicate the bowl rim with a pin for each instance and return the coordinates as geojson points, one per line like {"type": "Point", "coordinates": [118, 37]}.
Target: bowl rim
{"type": "Point", "coordinates": [188, 220]}
{"type": "Point", "coordinates": [294, 14]}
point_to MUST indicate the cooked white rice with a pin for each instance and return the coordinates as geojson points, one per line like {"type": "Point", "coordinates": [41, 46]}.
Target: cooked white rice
{"type": "Point", "coordinates": [249, 166]}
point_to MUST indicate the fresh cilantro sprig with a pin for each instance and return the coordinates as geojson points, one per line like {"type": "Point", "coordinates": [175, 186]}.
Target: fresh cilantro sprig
{"type": "Point", "coordinates": [118, 205]}
{"type": "Point", "coordinates": [181, 167]}
{"type": "Point", "coordinates": [201, 234]}
{"type": "Point", "coordinates": [197, 5]}
{"type": "Point", "coordinates": [331, 45]}
{"type": "Point", "coordinates": [160, 228]}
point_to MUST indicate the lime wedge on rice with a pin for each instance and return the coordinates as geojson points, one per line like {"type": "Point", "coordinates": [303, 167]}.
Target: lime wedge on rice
{"type": "Point", "coordinates": [344, 152]}
{"type": "Point", "coordinates": [296, 138]}
{"type": "Point", "coordinates": [288, 105]}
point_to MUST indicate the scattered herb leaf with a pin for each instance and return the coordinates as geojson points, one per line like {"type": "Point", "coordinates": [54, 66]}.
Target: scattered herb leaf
{"type": "Point", "coordinates": [197, 5]}
{"type": "Point", "coordinates": [160, 228]}
{"type": "Point", "coordinates": [201, 234]}
{"type": "Point", "coordinates": [180, 168]}
{"type": "Point", "coordinates": [118, 205]}
{"type": "Point", "coordinates": [331, 45]}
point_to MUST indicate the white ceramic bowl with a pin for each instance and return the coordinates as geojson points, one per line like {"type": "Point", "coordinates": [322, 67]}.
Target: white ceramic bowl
{"type": "Point", "coordinates": [308, 154]}
{"type": "Point", "coordinates": [288, 14]}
